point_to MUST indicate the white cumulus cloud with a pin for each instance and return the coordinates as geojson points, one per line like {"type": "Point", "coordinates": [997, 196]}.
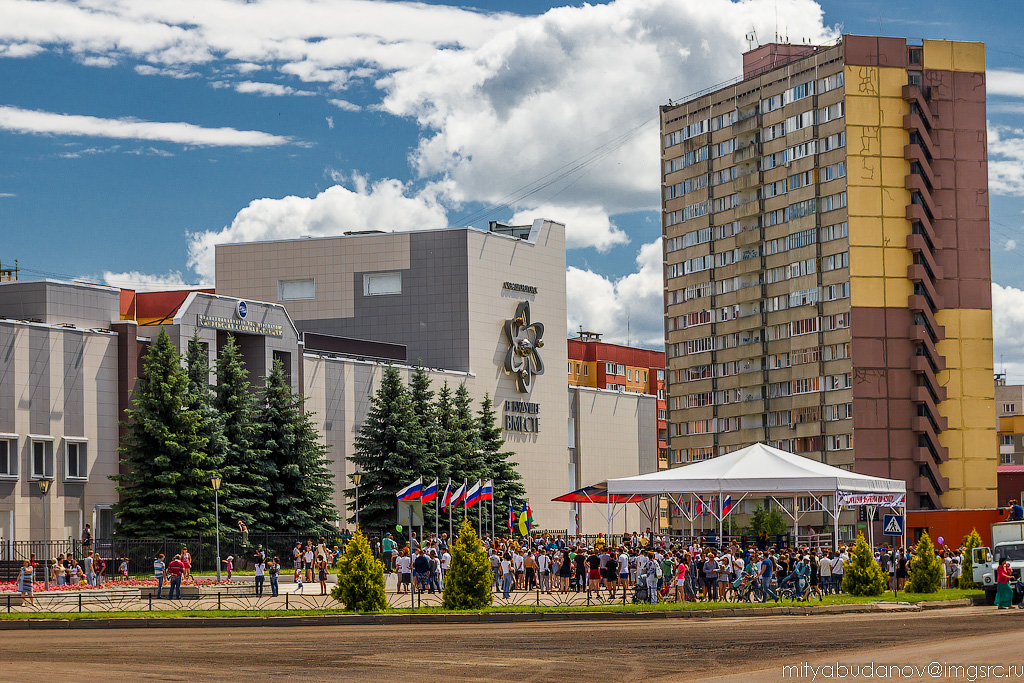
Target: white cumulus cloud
{"type": "Point", "coordinates": [270, 89]}
{"type": "Point", "coordinates": [145, 282]}
{"type": "Point", "coordinates": [384, 205]}
{"type": "Point", "coordinates": [571, 97]}
{"type": "Point", "coordinates": [608, 306]}
{"type": "Point", "coordinates": [1006, 160]}
{"type": "Point", "coordinates": [585, 226]}
{"type": "Point", "coordinates": [1007, 322]}
{"type": "Point", "coordinates": [49, 123]}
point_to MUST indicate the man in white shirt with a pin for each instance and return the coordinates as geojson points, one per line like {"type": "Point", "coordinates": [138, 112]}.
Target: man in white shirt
{"type": "Point", "coordinates": [517, 565]}
{"type": "Point", "coordinates": [623, 562]}
{"type": "Point", "coordinates": [825, 572]}
{"type": "Point", "coordinates": [506, 577]}
{"type": "Point", "coordinates": [446, 562]}
{"type": "Point", "coordinates": [837, 570]}
{"type": "Point", "coordinates": [544, 570]}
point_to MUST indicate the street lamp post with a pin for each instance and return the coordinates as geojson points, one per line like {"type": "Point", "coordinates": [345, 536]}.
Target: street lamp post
{"type": "Point", "coordinates": [216, 506]}
{"type": "Point", "coordinates": [44, 486]}
{"type": "Point", "coordinates": [356, 478]}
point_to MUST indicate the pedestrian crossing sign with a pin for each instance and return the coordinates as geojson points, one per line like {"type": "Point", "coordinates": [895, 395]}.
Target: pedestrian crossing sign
{"type": "Point", "coordinates": [892, 525]}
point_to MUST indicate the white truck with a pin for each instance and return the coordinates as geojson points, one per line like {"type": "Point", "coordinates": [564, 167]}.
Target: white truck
{"type": "Point", "coordinates": [1007, 543]}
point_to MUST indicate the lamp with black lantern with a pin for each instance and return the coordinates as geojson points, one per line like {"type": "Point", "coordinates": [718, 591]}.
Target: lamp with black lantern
{"type": "Point", "coordinates": [44, 486]}
{"type": "Point", "coordinates": [356, 479]}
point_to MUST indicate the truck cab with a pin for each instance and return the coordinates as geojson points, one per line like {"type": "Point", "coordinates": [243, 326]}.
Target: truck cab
{"type": "Point", "coordinates": [1007, 543]}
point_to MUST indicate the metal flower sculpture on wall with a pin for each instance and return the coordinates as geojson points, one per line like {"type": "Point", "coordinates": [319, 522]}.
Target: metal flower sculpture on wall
{"type": "Point", "coordinates": [524, 338]}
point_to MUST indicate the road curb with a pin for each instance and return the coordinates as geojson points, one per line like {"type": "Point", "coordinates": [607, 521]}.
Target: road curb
{"type": "Point", "coordinates": [466, 618]}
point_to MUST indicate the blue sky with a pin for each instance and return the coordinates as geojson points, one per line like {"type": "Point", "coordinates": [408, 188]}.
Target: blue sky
{"type": "Point", "coordinates": [134, 134]}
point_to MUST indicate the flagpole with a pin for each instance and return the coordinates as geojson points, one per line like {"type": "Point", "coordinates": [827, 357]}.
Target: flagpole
{"type": "Point", "coordinates": [465, 500]}
{"type": "Point", "coordinates": [479, 514]}
{"type": "Point", "coordinates": [437, 512]}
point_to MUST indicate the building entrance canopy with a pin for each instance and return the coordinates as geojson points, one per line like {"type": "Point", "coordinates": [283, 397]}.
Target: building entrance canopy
{"type": "Point", "coordinates": [754, 470]}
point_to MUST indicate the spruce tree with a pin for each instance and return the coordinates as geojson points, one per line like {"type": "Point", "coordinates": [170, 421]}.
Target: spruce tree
{"type": "Point", "coordinates": [246, 471]}
{"type": "Point", "coordinates": [498, 463]}
{"type": "Point", "coordinates": [162, 453]}
{"type": "Point", "coordinates": [467, 584]}
{"type": "Point", "coordinates": [426, 435]}
{"type": "Point", "coordinates": [863, 576]}
{"type": "Point", "coordinates": [926, 570]}
{"type": "Point", "coordinates": [210, 459]}
{"type": "Point", "coordinates": [385, 453]}
{"type": "Point", "coordinates": [467, 458]}
{"type": "Point", "coordinates": [360, 578]}
{"type": "Point", "coordinates": [301, 494]}
{"type": "Point", "coordinates": [971, 541]}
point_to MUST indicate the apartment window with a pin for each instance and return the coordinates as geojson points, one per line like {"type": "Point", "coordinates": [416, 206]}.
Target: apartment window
{"type": "Point", "coordinates": [1009, 407]}
{"type": "Point", "coordinates": [645, 375]}
{"type": "Point", "coordinates": [1006, 439]}
{"type": "Point", "coordinates": [661, 394]}
{"type": "Point", "coordinates": [661, 375]}
{"type": "Point", "coordinates": [296, 290]}
{"type": "Point", "coordinates": [570, 368]}
{"type": "Point", "coordinates": [1006, 459]}
{"type": "Point", "coordinates": [609, 368]}
{"type": "Point", "coordinates": [376, 284]}
{"type": "Point", "coordinates": [42, 457]}
{"type": "Point", "coordinates": [586, 370]}
{"type": "Point", "coordinates": [662, 414]}
{"type": "Point", "coordinates": [76, 460]}
{"type": "Point", "coordinates": [629, 375]}
{"type": "Point", "coordinates": [8, 456]}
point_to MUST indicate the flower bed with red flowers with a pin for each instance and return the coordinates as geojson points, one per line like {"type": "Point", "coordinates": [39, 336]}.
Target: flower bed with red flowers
{"type": "Point", "coordinates": [12, 586]}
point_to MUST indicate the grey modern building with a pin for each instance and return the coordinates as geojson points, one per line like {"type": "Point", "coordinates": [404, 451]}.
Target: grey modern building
{"type": "Point", "coordinates": [484, 308]}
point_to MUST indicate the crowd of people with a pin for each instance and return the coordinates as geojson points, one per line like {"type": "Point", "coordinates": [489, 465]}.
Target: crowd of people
{"type": "Point", "coordinates": [652, 567]}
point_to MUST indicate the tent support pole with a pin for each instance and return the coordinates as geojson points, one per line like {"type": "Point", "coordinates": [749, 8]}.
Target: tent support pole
{"type": "Point", "coordinates": [835, 522]}
{"type": "Point", "coordinates": [721, 538]}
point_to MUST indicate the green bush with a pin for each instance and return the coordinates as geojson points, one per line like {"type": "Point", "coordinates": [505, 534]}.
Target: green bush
{"type": "Point", "coordinates": [971, 541]}
{"type": "Point", "coordinates": [926, 570]}
{"type": "Point", "coordinates": [360, 578]}
{"type": "Point", "coordinates": [863, 576]}
{"type": "Point", "coordinates": [770, 521]}
{"type": "Point", "coordinates": [467, 585]}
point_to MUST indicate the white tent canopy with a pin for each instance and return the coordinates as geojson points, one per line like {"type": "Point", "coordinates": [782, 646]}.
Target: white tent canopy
{"type": "Point", "coordinates": [754, 469]}
{"type": "Point", "coordinates": [758, 470]}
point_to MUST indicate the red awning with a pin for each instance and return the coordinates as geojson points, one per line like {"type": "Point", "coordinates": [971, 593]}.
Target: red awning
{"type": "Point", "coordinates": [598, 494]}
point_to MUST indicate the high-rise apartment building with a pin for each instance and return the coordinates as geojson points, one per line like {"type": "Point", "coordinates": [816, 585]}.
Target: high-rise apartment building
{"type": "Point", "coordinates": [827, 282]}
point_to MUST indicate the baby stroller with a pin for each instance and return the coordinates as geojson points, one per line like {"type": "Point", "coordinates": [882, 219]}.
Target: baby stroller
{"type": "Point", "coordinates": [641, 593]}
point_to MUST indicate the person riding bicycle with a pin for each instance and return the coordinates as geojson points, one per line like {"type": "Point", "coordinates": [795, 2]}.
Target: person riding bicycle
{"type": "Point", "coordinates": [798, 579]}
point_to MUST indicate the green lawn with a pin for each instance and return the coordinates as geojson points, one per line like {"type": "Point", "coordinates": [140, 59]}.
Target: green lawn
{"type": "Point", "coordinates": [945, 594]}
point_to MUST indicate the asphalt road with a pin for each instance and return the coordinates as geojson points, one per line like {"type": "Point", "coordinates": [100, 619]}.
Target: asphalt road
{"type": "Point", "coordinates": [750, 649]}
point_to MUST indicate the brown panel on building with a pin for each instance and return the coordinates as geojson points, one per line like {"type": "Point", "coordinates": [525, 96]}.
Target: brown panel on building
{"type": "Point", "coordinates": [892, 52]}
{"type": "Point", "coordinates": [969, 87]}
{"type": "Point", "coordinates": [882, 384]}
{"type": "Point", "coordinates": [860, 50]}
{"type": "Point", "coordinates": [869, 413]}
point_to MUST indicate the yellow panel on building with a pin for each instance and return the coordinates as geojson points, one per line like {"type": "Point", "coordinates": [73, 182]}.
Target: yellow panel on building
{"type": "Point", "coordinates": [867, 291]}
{"type": "Point", "coordinates": [864, 231]}
{"type": "Point", "coordinates": [937, 54]}
{"type": "Point", "coordinates": [969, 56]}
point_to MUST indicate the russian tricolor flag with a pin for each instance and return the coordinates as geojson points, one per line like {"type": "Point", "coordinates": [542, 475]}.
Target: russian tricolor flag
{"type": "Point", "coordinates": [473, 497]}
{"type": "Point", "coordinates": [430, 493]}
{"type": "Point", "coordinates": [446, 499]}
{"type": "Point", "coordinates": [487, 492]}
{"type": "Point", "coordinates": [726, 505]}
{"type": "Point", "coordinates": [412, 491]}
{"type": "Point", "coordinates": [459, 495]}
